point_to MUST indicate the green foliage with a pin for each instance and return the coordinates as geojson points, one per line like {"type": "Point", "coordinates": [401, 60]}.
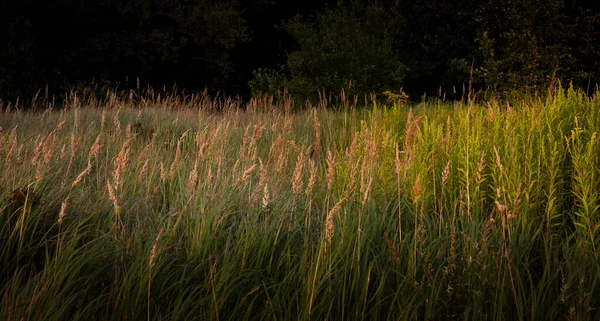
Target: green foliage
{"type": "Point", "coordinates": [348, 48]}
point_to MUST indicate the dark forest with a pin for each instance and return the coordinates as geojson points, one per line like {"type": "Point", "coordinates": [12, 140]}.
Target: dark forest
{"type": "Point", "coordinates": [246, 47]}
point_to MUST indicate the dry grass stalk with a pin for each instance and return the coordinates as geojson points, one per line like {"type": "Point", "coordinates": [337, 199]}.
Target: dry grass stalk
{"type": "Point", "coordinates": [480, 168]}
{"type": "Point", "coordinates": [81, 175]}
{"type": "Point", "coordinates": [236, 168]}
{"type": "Point", "coordinates": [243, 147]}
{"type": "Point", "coordinates": [329, 223]}
{"type": "Point", "coordinates": [153, 252]}
{"type": "Point", "coordinates": [297, 181]}
{"type": "Point", "coordinates": [312, 177]}
{"type": "Point", "coordinates": [276, 149]}
{"type": "Point", "coordinates": [411, 134]}
{"type": "Point", "coordinates": [37, 151]}
{"type": "Point", "coordinates": [202, 143]}
{"type": "Point", "coordinates": [281, 157]}
{"type": "Point", "coordinates": [331, 167]}
{"type": "Point", "coordinates": [50, 142]}
{"type": "Point", "coordinates": [120, 164]}
{"type": "Point", "coordinates": [177, 154]}
{"type": "Point", "coordinates": [63, 151]}
{"type": "Point", "coordinates": [116, 121]}
{"type": "Point", "coordinates": [262, 176]}
{"type": "Point", "coordinates": [95, 149]}
{"type": "Point", "coordinates": [143, 171]}
{"type": "Point", "coordinates": [248, 172]}
{"type": "Point", "coordinates": [498, 162]}
{"type": "Point", "coordinates": [256, 135]}
{"type": "Point", "coordinates": [317, 126]}
{"type": "Point", "coordinates": [163, 173]}
{"type": "Point", "coordinates": [63, 212]}
{"type": "Point", "coordinates": [192, 179]}
{"type": "Point", "coordinates": [113, 197]}
{"type": "Point", "coordinates": [446, 174]}
{"type": "Point", "coordinates": [417, 189]}
{"type": "Point", "coordinates": [209, 176]}
{"type": "Point", "coordinates": [397, 161]}
{"type": "Point", "coordinates": [74, 146]}
{"type": "Point", "coordinates": [266, 197]}
{"type": "Point", "coordinates": [354, 161]}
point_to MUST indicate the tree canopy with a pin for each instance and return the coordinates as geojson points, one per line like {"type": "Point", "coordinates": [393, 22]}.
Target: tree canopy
{"type": "Point", "coordinates": [261, 46]}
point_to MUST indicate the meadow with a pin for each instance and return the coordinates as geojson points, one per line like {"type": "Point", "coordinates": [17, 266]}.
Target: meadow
{"type": "Point", "coordinates": [209, 209]}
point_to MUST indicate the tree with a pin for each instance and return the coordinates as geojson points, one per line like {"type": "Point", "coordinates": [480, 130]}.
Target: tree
{"type": "Point", "coordinates": [344, 47]}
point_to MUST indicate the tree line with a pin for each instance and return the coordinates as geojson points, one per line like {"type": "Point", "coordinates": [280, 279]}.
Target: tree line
{"type": "Point", "coordinates": [250, 47]}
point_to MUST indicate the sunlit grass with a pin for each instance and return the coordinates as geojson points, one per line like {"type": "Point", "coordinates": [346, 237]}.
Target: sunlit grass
{"type": "Point", "coordinates": [202, 210]}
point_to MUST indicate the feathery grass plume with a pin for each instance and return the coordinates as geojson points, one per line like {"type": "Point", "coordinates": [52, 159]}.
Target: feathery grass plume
{"type": "Point", "coordinates": [329, 223]}
{"type": "Point", "coordinates": [317, 126]}
{"type": "Point", "coordinates": [262, 176]}
{"type": "Point", "coordinates": [256, 135]}
{"type": "Point", "coordinates": [63, 212]}
{"type": "Point", "coordinates": [74, 146]}
{"type": "Point", "coordinates": [177, 154]}
{"type": "Point", "coordinates": [417, 189]}
{"type": "Point", "coordinates": [116, 121]}
{"type": "Point", "coordinates": [517, 200]}
{"type": "Point", "coordinates": [331, 167]}
{"type": "Point", "coordinates": [498, 162]}
{"type": "Point", "coordinates": [248, 172]}
{"type": "Point", "coordinates": [95, 149]}
{"type": "Point", "coordinates": [265, 197]}
{"type": "Point", "coordinates": [410, 138]}
{"type": "Point", "coordinates": [235, 170]}
{"type": "Point", "coordinates": [192, 179]}
{"type": "Point", "coordinates": [113, 197]}
{"type": "Point", "coordinates": [480, 168]}
{"type": "Point", "coordinates": [297, 182]}
{"type": "Point", "coordinates": [245, 140]}
{"type": "Point", "coordinates": [312, 177]}
{"type": "Point", "coordinates": [281, 156]}
{"type": "Point", "coordinates": [81, 175]}
{"type": "Point", "coordinates": [154, 251]}
{"type": "Point", "coordinates": [163, 173]}
{"type": "Point", "coordinates": [63, 151]}
{"type": "Point", "coordinates": [36, 161]}
{"type": "Point", "coordinates": [209, 177]}
{"type": "Point", "coordinates": [275, 149]}
{"type": "Point", "coordinates": [143, 172]}
{"type": "Point", "coordinates": [446, 174]}
{"type": "Point", "coordinates": [202, 143]}
{"type": "Point", "coordinates": [354, 161]}
{"type": "Point", "coordinates": [50, 142]}
{"type": "Point", "coordinates": [120, 164]}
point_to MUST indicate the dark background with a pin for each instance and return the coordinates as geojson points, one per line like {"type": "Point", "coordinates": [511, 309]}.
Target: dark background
{"type": "Point", "coordinates": [244, 48]}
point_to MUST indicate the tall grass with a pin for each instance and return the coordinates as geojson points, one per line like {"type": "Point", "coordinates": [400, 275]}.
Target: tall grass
{"type": "Point", "coordinates": [204, 210]}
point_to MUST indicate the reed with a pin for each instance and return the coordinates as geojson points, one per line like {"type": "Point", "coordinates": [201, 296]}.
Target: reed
{"type": "Point", "coordinates": [199, 208]}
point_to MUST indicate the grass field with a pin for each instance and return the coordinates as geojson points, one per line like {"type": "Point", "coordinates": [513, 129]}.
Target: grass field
{"type": "Point", "coordinates": [201, 210]}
